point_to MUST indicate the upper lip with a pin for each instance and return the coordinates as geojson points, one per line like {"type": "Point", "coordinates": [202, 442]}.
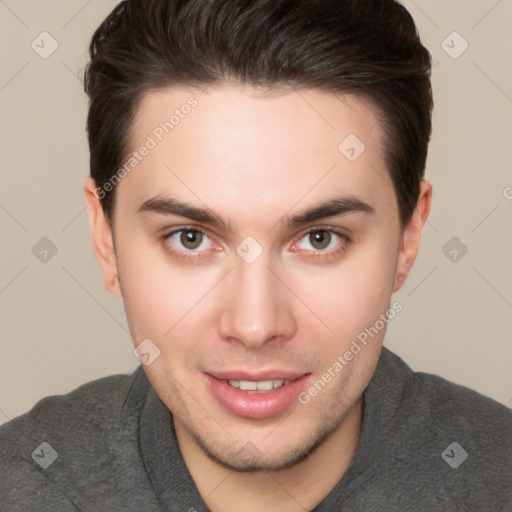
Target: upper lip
{"type": "Point", "coordinates": [256, 376]}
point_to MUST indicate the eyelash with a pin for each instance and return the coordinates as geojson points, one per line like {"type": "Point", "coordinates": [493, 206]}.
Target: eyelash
{"type": "Point", "coordinates": [319, 254]}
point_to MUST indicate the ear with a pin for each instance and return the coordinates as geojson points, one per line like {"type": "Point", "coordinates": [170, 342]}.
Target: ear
{"type": "Point", "coordinates": [102, 239]}
{"type": "Point", "coordinates": [411, 235]}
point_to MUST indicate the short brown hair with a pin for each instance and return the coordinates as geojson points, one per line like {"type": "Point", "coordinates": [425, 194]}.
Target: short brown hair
{"type": "Point", "coordinates": [367, 47]}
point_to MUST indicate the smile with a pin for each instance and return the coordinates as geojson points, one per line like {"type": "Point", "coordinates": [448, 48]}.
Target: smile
{"type": "Point", "coordinates": [260, 386]}
{"type": "Point", "coordinates": [256, 397]}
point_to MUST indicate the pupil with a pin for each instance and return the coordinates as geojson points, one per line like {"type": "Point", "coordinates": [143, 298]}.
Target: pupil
{"type": "Point", "coordinates": [320, 239]}
{"type": "Point", "coordinates": [191, 239]}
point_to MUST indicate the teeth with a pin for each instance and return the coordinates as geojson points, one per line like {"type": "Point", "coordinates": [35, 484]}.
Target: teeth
{"type": "Point", "coordinates": [247, 385]}
{"type": "Point", "coordinates": [264, 385]}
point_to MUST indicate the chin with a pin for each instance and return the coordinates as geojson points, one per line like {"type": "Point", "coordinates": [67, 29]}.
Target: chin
{"type": "Point", "coordinates": [247, 457]}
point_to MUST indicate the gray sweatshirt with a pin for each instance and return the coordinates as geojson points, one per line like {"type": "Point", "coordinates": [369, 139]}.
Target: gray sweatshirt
{"type": "Point", "coordinates": [109, 445]}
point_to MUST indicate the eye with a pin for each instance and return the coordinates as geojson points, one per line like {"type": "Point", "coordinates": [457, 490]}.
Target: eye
{"type": "Point", "coordinates": [189, 240]}
{"type": "Point", "coordinates": [323, 241]}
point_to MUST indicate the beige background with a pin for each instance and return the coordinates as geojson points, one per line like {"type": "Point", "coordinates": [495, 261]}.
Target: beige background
{"type": "Point", "coordinates": [60, 328]}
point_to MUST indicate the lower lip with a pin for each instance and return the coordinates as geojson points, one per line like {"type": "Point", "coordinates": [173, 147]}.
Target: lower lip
{"type": "Point", "coordinates": [256, 406]}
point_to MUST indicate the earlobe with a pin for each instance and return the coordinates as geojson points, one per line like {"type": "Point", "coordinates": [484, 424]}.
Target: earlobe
{"type": "Point", "coordinates": [102, 238]}
{"type": "Point", "coordinates": [411, 235]}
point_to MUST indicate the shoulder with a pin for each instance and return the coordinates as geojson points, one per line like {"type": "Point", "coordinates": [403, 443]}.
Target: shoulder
{"type": "Point", "coordinates": [439, 403]}
{"type": "Point", "coordinates": [79, 451]}
{"type": "Point", "coordinates": [92, 407]}
{"type": "Point", "coordinates": [456, 439]}
{"type": "Point", "coordinates": [47, 453]}
{"type": "Point", "coordinates": [458, 409]}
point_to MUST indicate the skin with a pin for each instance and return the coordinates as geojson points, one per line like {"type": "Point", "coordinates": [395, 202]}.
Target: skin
{"type": "Point", "coordinates": [254, 160]}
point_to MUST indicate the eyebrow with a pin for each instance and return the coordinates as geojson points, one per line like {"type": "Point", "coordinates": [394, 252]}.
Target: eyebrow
{"type": "Point", "coordinates": [331, 208]}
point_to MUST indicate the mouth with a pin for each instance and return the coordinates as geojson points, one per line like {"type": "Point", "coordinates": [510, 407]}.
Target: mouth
{"type": "Point", "coordinates": [262, 386]}
{"type": "Point", "coordinates": [256, 397]}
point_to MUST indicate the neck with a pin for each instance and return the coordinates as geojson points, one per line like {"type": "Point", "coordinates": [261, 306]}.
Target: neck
{"type": "Point", "coordinates": [297, 488]}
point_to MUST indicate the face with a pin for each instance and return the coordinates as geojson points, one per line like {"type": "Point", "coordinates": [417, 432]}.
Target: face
{"type": "Point", "coordinates": [253, 246]}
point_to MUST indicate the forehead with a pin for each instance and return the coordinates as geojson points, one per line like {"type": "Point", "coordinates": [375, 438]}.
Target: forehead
{"type": "Point", "coordinates": [233, 147]}
{"type": "Point", "coordinates": [248, 112]}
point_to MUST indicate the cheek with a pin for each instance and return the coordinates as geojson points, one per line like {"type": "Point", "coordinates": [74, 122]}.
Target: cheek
{"type": "Point", "coordinates": [350, 296]}
{"type": "Point", "coordinates": [162, 298]}
{"type": "Point", "coordinates": [148, 297]}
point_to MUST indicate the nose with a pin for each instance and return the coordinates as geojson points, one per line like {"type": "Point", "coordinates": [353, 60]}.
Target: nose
{"type": "Point", "coordinates": [256, 307]}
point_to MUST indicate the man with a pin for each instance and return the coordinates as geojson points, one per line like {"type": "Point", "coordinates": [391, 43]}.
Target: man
{"type": "Point", "coordinates": [256, 197]}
